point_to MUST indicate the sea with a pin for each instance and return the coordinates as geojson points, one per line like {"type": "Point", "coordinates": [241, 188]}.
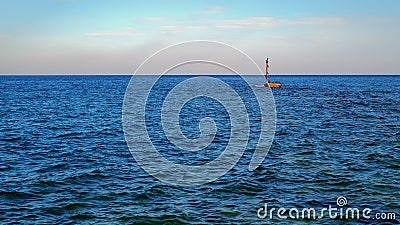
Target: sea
{"type": "Point", "coordinates": [64, 158]}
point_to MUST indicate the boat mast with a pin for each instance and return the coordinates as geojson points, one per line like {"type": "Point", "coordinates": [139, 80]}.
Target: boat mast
{"type": "Point", "coordinates": [266, 70]}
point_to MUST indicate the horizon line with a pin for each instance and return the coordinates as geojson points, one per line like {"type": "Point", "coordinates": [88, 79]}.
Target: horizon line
{"type": "Point", "coordinates": [190, 74]}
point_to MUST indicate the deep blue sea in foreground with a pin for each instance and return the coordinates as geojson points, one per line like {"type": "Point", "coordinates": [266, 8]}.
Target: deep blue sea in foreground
{"type": "Point", "coordinates": [64, 159]}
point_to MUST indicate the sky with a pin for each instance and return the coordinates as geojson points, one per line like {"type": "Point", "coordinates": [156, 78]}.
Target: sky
{"type": "Point", "coordinates": [114, 37]}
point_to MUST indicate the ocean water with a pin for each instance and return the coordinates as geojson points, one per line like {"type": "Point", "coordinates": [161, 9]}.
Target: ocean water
{"type": "Point", "coordinates": [64, 159]}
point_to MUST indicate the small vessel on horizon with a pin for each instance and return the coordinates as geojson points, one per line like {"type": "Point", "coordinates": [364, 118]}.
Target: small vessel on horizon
{"type": "Point", "coordinates": [267, 83]}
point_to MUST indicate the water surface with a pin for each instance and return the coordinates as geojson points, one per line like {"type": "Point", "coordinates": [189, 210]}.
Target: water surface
{"type": "Point", "coordinates": [64, 160]}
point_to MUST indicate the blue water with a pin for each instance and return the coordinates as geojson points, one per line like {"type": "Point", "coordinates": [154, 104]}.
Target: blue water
{"type": "Point", "coordinates": [64, 160]}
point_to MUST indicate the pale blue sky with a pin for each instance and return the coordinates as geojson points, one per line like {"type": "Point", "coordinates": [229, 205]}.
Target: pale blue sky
{"type": "Point", "coordinates": [102, 37]}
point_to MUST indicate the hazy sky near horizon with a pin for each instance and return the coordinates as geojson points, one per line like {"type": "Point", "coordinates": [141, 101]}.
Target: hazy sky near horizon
{"type": "Point", "coordinates": [114, 37]}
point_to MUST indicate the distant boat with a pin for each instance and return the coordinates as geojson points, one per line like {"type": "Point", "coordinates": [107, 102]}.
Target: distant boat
{"type": "Point", "coordinates": [267, 83]}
